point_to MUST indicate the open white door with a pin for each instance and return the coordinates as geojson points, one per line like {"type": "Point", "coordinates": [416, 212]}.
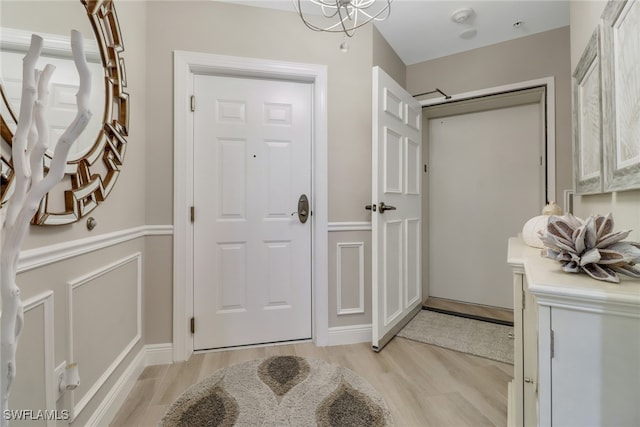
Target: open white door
{"type": "Point", "coordinates": [396, 207]}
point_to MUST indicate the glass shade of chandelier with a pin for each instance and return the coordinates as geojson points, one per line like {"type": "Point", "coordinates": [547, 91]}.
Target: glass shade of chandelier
{"type": "Point", "coordinates": [341, 16]}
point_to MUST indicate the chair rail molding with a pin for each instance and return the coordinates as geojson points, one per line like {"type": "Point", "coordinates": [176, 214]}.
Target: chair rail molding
{"type": "Point", "coordinates": [350, 226]}
{"type": "Point", "coordinates": [39, 257]}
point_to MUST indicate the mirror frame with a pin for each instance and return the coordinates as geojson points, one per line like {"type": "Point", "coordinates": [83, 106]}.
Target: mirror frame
{"type": "Point", "coordinates": [89, 179]}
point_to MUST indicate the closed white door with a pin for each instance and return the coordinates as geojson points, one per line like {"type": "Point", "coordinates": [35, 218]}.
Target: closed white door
{"type": "Point", "coordinates": [252, 253]}
{"type": "Point", "coordinates": [486, 178]}
{"type": "Point", "coordinates": [396, 220]}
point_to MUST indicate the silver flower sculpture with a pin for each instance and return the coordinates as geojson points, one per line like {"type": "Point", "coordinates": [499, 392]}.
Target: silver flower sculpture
{"type": "Point", "coordinates": [591, 246]}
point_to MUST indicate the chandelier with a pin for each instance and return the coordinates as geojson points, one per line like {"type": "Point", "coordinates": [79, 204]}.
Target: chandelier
{"type": "Point", "coordinates": [341, 16]}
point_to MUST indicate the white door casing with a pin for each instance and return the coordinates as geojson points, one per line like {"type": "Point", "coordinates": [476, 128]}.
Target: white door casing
{"type": "Point", "coordinates": [519, 93]}
{"type": "Point", "coordinates": [396, 182]}
{"type": "Point", "coordinates": [252, 255]}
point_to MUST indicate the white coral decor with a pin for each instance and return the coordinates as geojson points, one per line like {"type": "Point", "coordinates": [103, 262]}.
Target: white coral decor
{"type": "Point", "coordinates": [591, 246]}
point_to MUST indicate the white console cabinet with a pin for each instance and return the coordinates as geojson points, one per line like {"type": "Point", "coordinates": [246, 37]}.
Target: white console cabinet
{"type": "Point", "coordinates": [577, 346]}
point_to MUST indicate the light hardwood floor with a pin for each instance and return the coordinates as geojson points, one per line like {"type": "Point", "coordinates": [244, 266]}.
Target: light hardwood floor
{"type": "Point", "coordinates": [423, 385]}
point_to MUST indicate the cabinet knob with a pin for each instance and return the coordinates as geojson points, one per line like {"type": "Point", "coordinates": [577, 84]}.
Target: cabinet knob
{"type": "Point", "coordinates": [528, 380]}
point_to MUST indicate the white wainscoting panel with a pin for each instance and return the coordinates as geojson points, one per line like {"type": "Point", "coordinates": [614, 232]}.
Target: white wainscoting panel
{"type": "Point", "coordinates": [23, 390]}
{"type": "Point", "coordinates": [350, 271]}
{"type": "Point", "coordinates": [106, 315]}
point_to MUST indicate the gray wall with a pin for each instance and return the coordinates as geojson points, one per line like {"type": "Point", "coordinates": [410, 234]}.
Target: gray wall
{"type": "Point", "coordinates": [386, 58]}
{"type": "Point", "coordinates": [527, 58]}
{"type": "Point", "coordinates": [226, 29]}
{"type": "Point", "coordinates": [143, 196]}
{"type": "Point", "coordinates": [220, 28]}
{"type": "Point", "coordinates": [97, 313]}
{"type": "Point", "coordinates": [625, 206]}
{"type": "Point", "coordinates": [125, 206]}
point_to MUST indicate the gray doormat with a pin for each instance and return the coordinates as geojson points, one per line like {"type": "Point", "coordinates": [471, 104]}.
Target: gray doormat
{"type": "Point", "coordinates": [484, 339]}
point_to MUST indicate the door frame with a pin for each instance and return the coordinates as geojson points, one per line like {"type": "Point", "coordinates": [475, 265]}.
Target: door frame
{"type": "Point", "coordinates": [548, 101]}
{"type": "Point", "coordinates": [186, 65]}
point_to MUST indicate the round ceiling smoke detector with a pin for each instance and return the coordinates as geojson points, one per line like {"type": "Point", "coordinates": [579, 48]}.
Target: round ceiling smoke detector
{"type": "Point", "coordinates": [461, 15]}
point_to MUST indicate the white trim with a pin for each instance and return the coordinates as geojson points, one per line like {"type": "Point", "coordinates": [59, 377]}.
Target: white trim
{"type": "Point", "coordinates": [550, 150]}
{"type": "Point", "coordinates": [149, 355]}
{"type": "Point", "coordinates": [158, 354]}
{"type": "Point", "coordinates": [340, 247]}
{"type": "Point", "coordinates": [39, 257]}
{"type": "Point", "coordinates": [186, 64]}
{"type": "Point", "coordinates": [350, 226]}
{"type": "Point", "coordinates": [76, 408]}
{"type": "Point", "coordinates": [50, 385]}
{"type": "Point", "coordinates": [568, 201]}
{"type": "Point", "coordinates": [343, 335]}
{"type": "Point", "coordinates": [117, 395]}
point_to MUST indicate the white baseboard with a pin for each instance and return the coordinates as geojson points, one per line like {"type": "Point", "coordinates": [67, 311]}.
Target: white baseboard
{"type": "Point", "coordinates": [106, 411]}
{"type": "Point", "coordinates": [151, 354]}
{"type": "Point", "coordinates": [342, 335]}
{"type": "Point", "coordinates": [158, 354]}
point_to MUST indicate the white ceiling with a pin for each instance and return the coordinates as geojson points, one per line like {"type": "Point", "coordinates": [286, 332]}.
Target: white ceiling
{"type": "Point", "coordinates": [419, 30]}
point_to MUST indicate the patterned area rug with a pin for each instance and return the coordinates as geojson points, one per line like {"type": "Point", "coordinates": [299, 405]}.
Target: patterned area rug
{"type": "Point", "coordinates": [477, 337]}
{"type": "Point", "coordinates": [280, 391]}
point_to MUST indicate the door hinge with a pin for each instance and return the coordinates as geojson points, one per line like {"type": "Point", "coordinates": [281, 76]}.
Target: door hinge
{"type": "Point", "coordinates": [193, 325]}
{"type": "Point", "coordinates": [193, 103]}
{"type": "Point", "coordinates": [553, 343]}
{"type": "Point", "coordinates": [524, 298]}
{"type": "Point", "coordinates": [192, 213]}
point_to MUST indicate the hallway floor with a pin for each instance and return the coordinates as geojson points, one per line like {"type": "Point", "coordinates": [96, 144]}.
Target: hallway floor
{"type": "Point", "coordinates": [423, 385]}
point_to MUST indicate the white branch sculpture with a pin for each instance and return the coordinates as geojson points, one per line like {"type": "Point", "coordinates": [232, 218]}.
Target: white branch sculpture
{"type": "Point", "coordinates": [30, 142]}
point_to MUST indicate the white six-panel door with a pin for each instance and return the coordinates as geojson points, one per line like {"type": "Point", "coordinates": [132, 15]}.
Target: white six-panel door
{"type": "Point", "coordinates": [252, 257]}
{"type": "Point", "coordinates": [396, 237]}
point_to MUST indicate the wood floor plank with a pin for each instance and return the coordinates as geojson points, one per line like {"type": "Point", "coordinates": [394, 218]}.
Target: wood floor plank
{"type": "Point", "coordinates": [153, 415]}
{"type": "Point", "coordinates": [178, 378]}
{"type": "Point", "coordinates": [423, 385]}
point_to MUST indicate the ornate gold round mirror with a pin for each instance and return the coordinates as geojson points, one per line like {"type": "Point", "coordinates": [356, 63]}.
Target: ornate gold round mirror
{"type": "Point", "coordinates": [93, 168]}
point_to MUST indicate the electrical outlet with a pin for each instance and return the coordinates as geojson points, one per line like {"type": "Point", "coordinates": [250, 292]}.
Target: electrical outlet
{"type": "Point", "coordinates": [60, 379]}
